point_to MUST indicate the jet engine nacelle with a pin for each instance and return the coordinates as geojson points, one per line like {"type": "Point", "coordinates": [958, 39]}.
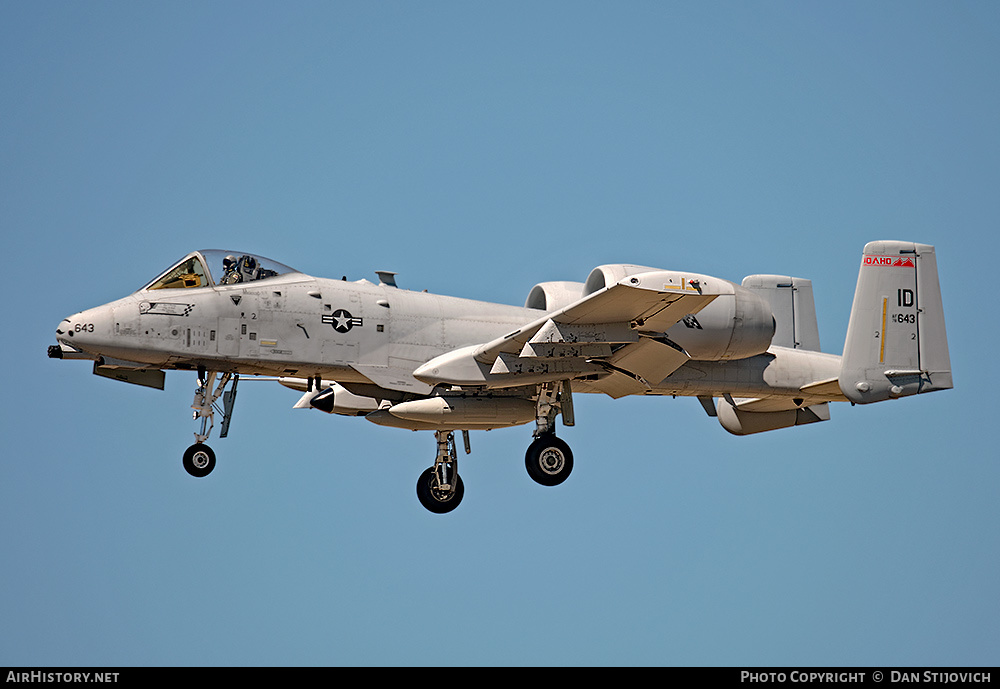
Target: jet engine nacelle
{"type": "Point", "coordinates": [736, 325]}
{"type": "Point", "coordinates": [549, 296]}
{"type": "Point", "coordinates": [733, 326]}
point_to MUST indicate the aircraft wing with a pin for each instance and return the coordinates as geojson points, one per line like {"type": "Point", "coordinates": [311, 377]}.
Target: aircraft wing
{"type": "Point", "coordinates": [616, 333]}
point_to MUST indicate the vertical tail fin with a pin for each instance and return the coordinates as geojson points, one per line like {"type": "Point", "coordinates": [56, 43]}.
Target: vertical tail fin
{"type": "Point", "coordinates": [794, 309]}
{"type": "Point", "coordinates": [896, 343]}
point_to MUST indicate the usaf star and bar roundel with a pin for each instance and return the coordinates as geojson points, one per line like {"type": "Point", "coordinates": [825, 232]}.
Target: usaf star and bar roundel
{"type": "Point", "coordinates": [342, 320]}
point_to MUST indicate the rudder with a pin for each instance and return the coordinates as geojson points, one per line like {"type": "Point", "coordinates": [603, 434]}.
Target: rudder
{"type": "Point", "coordinates": [896, 342]}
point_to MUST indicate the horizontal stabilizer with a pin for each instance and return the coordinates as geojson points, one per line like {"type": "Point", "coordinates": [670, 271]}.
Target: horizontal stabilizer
{"type": "Point", "coordinates": [824, 389]}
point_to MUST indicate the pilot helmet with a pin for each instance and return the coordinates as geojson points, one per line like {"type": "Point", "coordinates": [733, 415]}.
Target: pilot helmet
{"type": "Point", "coordinates": [229, 262]}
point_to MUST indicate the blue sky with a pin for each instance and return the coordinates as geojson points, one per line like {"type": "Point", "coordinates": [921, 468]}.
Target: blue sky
{"type": "Point", "coordinates": [477, 149]}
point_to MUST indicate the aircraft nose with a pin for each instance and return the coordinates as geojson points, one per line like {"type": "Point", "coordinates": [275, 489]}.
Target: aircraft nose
{"type": "Point", "coordinates": [66, 335]}
{"type": "Point", "coordinates": [63, 329]}
{"type": "Point", "coordinates": [70, 328]}
{"type": "Point", "coordinates": [85, 329]}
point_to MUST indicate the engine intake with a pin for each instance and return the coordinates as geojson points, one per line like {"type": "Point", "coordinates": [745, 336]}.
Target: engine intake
{"type": "Point", "coordinates": [549, 296]}
{"type": "Point", "coordinates": [606, 275]}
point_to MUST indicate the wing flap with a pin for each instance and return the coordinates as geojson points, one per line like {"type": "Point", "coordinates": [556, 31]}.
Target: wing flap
{"type": "Point", "coordinates": [619, 384]}
{"type": "Point", "coordinates": [651, 359]}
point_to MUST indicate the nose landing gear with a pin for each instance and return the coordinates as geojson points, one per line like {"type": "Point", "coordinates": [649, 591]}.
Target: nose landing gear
{"type": "Point", "coordinates": [199, 459]}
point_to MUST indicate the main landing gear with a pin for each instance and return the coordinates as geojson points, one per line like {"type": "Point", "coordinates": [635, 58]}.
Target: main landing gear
{"type": "Point", "coordinates": [440, 488]}
{"type": "Point", "coordinates": [548, 459]}
{"type": "Point", "coordinates": [199, 459]}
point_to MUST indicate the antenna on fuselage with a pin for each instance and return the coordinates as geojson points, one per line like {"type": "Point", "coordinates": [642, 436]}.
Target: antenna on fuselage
{"type": "Point", "coordinates": [386, 277]}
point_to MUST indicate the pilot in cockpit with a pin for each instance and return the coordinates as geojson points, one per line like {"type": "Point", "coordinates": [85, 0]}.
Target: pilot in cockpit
{"type": "Point", "coordinates": [230, 271]}
{"type": "Point", "coordinates": [243, 269]}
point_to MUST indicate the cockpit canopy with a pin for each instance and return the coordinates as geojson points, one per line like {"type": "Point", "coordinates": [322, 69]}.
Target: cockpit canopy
{"type": "Point", "coordinates": [215, 267]}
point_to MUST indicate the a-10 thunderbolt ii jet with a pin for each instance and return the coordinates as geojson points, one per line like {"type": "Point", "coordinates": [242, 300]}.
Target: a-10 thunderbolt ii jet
{"type": "Point", "coordinates": [749, 353]}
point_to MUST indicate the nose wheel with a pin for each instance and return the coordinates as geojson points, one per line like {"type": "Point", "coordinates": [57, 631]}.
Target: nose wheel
{"type": "Point", "coordinates": [199, 460]}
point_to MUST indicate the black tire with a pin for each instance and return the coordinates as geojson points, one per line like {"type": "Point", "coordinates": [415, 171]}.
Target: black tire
{"type": "Point", "coordinates": [199, 460]}
{"type": "Point", "coordinates": [548, 460]}
{"type": "Point", "coordinates": [435, 500]}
